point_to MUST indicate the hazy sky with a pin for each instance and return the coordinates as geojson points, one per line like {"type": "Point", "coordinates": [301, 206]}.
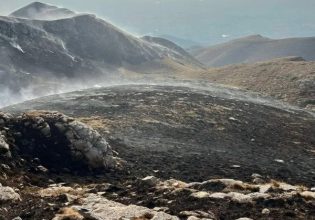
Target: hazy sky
{"type": "Point", "coordinates": [204, 21]}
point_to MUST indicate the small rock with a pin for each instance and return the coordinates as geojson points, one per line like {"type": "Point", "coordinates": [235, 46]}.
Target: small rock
{"type": "Point", "coordinates": [313, 189]}
{"type": "Point", "coordinates": [258, 181]}
{"type": "Point", "coordinates": [308, 195]}
{"type": "Point", "coordinates": [235, 166]}
{"type": "Point", "coordinates": [4, 147]}
{"type": "Point", "coordinates": [6, 167]}
{"type": "Point", "coordinates": [244, 218]}
{"type": "Point", "coordinates": [265, 212]}
{"type": "Point", "coordinates": [258, 195]}
{"type": "Point", "coordinates": [150, 180]}
{"type": "Point", "coordinates": [279, 161]}
{"type": "Point", "coordinates": [8, 194]}
{"type": "Point", "coordinates": [198, 214]}
{"type": "Point", "coordinates": [42, 169]}
{"type": "Point", "coordinates": [256, 175]}
{"type": "Point", "coordinates": [200, 195]}
{"type": "Point", "coordinates": [239, 197]}
{"type": "Point", "coordinates": [17, 218]}
{"type": "Point", "coordinates": [161, 209]}
{"type": "Point", "coordinates": [68, 213]}
{"type": "Point", "coordinates": [232, 119]}
{"type": "Point", "coordinates": [218, 195]}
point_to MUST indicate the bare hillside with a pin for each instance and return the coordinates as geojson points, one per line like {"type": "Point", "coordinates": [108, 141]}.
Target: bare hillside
{"type": "Point", "coordinates": [254, 49]}
{"type": "Point", "coordinates": [288, 79]}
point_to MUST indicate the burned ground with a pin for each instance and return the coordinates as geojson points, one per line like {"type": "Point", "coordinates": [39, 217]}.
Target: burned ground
{"type": "Point", "coordinates": [192, 135]}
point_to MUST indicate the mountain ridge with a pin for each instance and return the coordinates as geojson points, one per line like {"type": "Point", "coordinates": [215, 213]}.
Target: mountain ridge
{"type": "Point", "coordinates": [255, 48]}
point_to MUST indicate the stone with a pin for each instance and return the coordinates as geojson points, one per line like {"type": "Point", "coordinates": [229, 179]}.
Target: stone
{"type": "Point", "coordinates": [150, 180]}
{"type": "Point", "coordinates": [258, 195]}
{"type": "Point", "coordinates": [265, 211]}
{"type": "Point", "coordinates": [258, 180]}
{"type": "Point", "coordinates": [308, 195]}
{"type": "Point", "coordinates": [8, 194]}
{"type": "Point", "coordinates": [256, 175]}
{"type": "Point", "coordinates": [42, 169]}
{"type": "Point", "coordinates": [81, 143]}
{"type": "Point", "coordinates": [217, 185]}
{"type": "Point", "coordinates": [56, 191]}
{"type": "Point", "coordinates": [199, 214]}
{"type": "Point", "coordinates": [4, 146]}
{"type": "Point", "coordinates": [200, 195]}
{"type": "Point", "coordinates": [279, 161]}
{"type": "Point", "coordinates": [244, 218]}
{"type": "Point", "coordinates": [239, 197]}
{"type": "Point", "coordinates": [68, 213]}
{"type": "Point", "coordinates": [100, 208]}
{"type": "Point", "coordinates": [218, 195]}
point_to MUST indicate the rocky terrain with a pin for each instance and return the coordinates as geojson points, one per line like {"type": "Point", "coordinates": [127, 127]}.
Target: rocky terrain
{"type": "Point", "coordinates": [157, 135]}
{"type": "Point", "coordinates": [290, 79]}
{"type": "Point", "coordinates": [253, 49]}
{"type": "Point", "coordinates": [176, 152]}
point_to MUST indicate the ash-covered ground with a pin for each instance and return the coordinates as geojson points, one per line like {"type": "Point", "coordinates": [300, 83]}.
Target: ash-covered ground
{"type": "Point", "coordinates": [184, 134]}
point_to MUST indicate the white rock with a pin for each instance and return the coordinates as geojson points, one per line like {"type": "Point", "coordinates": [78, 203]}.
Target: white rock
{"type": "Point", "coordinates": [200, 195]}
{"type": "Point", "coordinates": [99, 208]}
{"type": "Point", "coordinates": [239, 197]}
{"type": "Point", "coordinates": [287, 187]}
{"type": "Point", "coordinates": [4, 147]}
{"type": "Point", "coordinates": [218, 195]}
{"type": "Point", "coordinates": [279, 161]}
{"type": "Point", "coordinates": [308, 194]}
{"type": "Point", "coordinates": [256, 175]}
{"type": "Point", "coordinates": [151, 180]}
{"type": "Point", "coordinates": [8, 194]}
{"type": "Point", "coordinates": [258, 195]}
{"type": "Point", "coordinates": [265, 212]}
{"type": "Point", "coordinates": [264, 188]}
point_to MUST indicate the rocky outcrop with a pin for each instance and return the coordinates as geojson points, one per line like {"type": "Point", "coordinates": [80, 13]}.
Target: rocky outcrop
{"type": "Point", "coordinates": [100, 208]}
{"type": "Point", "coordinates": [57, 140]}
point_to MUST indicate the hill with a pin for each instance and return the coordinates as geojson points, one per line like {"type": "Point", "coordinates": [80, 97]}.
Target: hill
{"type": "Point", "coordinates": [253, 49]}
{"type": "Point", "coordinates": [193, 152]}
{"type": "Point", "coordinates": [288, 79]}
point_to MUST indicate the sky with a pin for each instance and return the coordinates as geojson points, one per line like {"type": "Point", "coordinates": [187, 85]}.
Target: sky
{"type": "Point", "coordinates": [205, 22]}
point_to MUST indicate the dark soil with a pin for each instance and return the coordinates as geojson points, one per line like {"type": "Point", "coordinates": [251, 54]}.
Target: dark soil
{"type": "Point", "coordinates": [182, 133]}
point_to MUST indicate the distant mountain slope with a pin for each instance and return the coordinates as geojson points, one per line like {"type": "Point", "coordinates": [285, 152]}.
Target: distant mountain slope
{"type": "Point", "coordinates": [255, 48]}
{"type": "Point", "coordinates": [41, 11]}
{"type": "Point", "coordinates": [185, 43]}
{"type": "Point", "coordinates": [288, 79]}
{"type": "Point", "coordinates": [40, 48]}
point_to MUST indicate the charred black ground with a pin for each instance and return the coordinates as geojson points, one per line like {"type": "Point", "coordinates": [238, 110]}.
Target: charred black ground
{"type": "Point", "coordinates": [175, 132]}
{"type": "Point", "coordinates": [193, 135]}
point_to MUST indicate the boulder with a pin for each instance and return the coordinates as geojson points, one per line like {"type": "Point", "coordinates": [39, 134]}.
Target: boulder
{"type": "Point", "coordinates": [59, 141]}
{"type": "Point", "coordinates": [8, 194]}
{"type": "Point", "coordinates": [4, 147]}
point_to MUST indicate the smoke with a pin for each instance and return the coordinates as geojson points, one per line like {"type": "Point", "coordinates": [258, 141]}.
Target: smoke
{"type": "Point", "coordinates": [9, 97]}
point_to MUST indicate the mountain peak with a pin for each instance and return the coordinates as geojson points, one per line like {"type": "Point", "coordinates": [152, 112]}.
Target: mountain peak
{"type": "Point", "coordinates": [42, 11]}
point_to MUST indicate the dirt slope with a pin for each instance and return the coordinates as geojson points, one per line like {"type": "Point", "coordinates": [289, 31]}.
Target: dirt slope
{"type": "Point", "coordinates": [289, 79]}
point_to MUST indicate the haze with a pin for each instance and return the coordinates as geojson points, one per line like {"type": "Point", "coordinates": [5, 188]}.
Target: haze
{"type": "Point", "coordinates": [198, 21]}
